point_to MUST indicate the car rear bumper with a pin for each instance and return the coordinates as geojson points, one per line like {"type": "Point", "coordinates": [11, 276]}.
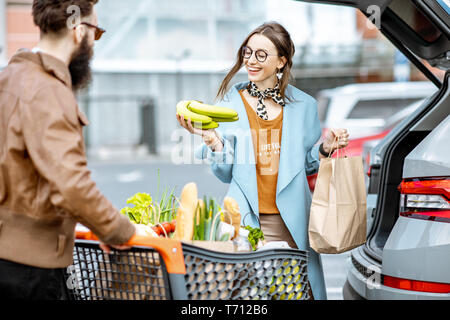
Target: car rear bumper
{"type": "Point", "coordinates": [418, 249]}
{"type": "Point", "coordinates": [366, 281]}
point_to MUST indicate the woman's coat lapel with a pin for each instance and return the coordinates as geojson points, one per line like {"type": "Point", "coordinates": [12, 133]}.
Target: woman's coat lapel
{"type": "Point", "coordinates": [291, 147]}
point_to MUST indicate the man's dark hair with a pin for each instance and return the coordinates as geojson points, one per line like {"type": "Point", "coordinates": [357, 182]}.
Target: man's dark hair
{"type": "Point", "coordinates": [51, 15]}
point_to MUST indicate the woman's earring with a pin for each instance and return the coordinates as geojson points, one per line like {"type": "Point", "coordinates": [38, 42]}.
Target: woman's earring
{"type": "Point", "coordinates": [279, 74]}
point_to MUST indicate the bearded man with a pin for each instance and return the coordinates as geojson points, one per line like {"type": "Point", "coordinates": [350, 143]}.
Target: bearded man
{"type": "Point", "coordinates": [45, 185]}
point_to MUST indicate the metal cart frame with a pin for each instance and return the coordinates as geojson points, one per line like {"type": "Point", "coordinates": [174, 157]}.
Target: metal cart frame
{"type": "Point", "coordinates": [163, 268]}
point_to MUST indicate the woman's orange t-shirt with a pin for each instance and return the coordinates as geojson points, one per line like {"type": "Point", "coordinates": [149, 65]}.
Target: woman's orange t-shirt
{"type": "Point", "coordinates": [266, 136]}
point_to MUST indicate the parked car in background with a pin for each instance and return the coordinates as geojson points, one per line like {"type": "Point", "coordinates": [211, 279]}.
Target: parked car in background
{"type": "Point", "coordinates": [368, 111]}
{"type": "Point", "coordinates": [406, 255]}
{"type": "Point", "coordinates": [365, 108]}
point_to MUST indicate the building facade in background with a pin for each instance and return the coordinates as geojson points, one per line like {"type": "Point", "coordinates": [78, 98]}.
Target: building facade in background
{"type": "Point", "coordinates": [18, 25]}
{"type": "Point", "coordinates": [156, 53]}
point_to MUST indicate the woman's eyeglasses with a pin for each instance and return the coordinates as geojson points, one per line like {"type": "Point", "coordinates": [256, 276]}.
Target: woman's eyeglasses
{"type": "Point", "coordinates": [98, 31]}
{"type": "Point", "coordinates": [260, 54]}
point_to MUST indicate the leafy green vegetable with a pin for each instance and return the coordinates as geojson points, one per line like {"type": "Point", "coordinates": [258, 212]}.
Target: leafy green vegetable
{"type": "Point", "coordinates": [167, 205]}
{"type": "Point", "coordinates": [149, 211]}
{"type": "Point", "coordinates": [140, 212]}
{"type": "Point", "coordinates": [204, 228]}
{"type": "Point", "coordinates": [254, 236]}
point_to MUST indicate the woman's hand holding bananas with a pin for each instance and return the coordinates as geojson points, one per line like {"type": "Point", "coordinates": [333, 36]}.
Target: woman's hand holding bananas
{"type": "Point", "coordinates": [210, 136]}
{"type": "Point", "coordinates": [206, 118]}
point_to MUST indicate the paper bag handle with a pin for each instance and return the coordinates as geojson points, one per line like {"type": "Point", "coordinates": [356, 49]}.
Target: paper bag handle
{"type": "Point", "coordinates": [337, 139]}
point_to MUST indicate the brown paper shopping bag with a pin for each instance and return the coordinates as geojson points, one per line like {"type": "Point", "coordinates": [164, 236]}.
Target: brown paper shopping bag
{"type": "Point", "coordinates": [337, 221]}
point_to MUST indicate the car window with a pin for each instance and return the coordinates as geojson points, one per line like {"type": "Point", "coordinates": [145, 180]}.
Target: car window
{"type": "Point", "coordinates": [379, 109]}
{"type": "Point", "coordinates": [417, 21]}
{"type": "Point", "coordinates": [323, 103]}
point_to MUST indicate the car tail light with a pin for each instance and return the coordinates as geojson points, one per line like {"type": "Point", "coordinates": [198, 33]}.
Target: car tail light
{"type": "Point", "coordinates": [415, 285]}
{"type": "Point", "coordinates": [426, 199]}
{"type": "Point", "coordinates": [367, 161]}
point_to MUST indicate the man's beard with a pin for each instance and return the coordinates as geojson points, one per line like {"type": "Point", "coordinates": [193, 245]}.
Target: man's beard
{"type": "Point", "coordinates": [79, 67]}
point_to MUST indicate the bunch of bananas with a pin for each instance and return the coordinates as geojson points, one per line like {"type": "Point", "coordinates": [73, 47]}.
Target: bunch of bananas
{"type": "Point", "coordinates": [205, 116]}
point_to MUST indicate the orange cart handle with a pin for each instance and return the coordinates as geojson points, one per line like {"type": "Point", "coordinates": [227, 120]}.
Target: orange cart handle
{"type": "Point", "coordinates": [170, 250]}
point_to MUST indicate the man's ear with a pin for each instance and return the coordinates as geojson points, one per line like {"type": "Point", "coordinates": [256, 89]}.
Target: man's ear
{"type": "Point", "coordinates": [78, 34]}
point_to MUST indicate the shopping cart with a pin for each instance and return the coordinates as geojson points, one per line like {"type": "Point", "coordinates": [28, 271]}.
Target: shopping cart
{"type": "Point", "coordinates": [163, 268]}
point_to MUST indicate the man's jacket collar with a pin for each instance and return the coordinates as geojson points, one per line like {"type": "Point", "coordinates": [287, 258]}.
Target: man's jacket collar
{"type": "Point", "coordinates": [49, 63]}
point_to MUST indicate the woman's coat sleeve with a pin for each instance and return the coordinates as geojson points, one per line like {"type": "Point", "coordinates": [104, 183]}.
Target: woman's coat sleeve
{"type": "Point", "coordinates": [221, 161]}
{"type": "Point", "coordinates": [312, 156]}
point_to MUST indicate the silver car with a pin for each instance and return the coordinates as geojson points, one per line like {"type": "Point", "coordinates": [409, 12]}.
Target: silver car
{"type": "Point", "coordinates": [366, 109]}
{"type": "Point", "coordinates": [407, 253]}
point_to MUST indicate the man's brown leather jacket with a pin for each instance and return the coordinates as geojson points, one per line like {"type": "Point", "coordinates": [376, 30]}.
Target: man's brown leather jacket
{"type": "Point", "coordinates": [45, 185]}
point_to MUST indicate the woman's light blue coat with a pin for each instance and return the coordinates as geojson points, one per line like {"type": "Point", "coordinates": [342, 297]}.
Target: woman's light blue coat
{"type": "Point", "coordinates": [299, 157]}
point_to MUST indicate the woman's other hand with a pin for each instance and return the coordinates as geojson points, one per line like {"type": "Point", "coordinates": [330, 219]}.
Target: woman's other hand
{"type": "Point", "coordinates": [335, 139]}
{"type": "Point", "coordinates": [210, 136]}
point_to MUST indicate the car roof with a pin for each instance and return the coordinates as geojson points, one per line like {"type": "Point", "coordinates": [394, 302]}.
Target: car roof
{"type": "Point", "coordinates": [385, 87]}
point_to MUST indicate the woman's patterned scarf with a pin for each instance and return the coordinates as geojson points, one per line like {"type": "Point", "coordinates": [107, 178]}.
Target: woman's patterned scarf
{"type": "Point", "coordinates": [261, 95]}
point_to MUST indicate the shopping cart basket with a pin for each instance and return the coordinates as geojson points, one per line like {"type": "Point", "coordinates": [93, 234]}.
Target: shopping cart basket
{"type": "Point", "coordinates": [162, 268]}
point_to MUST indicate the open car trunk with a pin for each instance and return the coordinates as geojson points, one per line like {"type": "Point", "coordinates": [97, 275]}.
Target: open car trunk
{"type": "Point", "coordinates": [393, 152]}
{"type": "Point", "coordinates": [420, 29]}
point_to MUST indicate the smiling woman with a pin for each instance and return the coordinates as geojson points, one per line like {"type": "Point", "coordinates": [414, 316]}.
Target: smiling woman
{"type": "Point", "coordinates": [283, 127]}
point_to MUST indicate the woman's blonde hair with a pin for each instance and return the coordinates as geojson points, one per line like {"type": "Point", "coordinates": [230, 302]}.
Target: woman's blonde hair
{"type": "Point", "coordinates": [279, 36]}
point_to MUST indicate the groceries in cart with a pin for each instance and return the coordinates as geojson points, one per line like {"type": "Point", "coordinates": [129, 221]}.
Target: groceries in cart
{"type": "Point", "coordinates": [156, 218]}
{"type": "Point", "coordinates": [202, 222]}
{"type": "Point", "coordinates": [215, 257]}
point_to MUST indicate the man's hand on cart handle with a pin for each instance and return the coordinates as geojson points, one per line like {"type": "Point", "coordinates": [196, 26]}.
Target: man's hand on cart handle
{"type": "Point", "coordinates": [140, 231]}
{"type": "Point", "coordinates": [107, 247]}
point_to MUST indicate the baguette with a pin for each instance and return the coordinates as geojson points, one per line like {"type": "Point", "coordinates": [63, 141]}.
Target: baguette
{"type": "Point", "coordinates": [232, 207]}
{"type": "Point", "coordinates": [186, 213]}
